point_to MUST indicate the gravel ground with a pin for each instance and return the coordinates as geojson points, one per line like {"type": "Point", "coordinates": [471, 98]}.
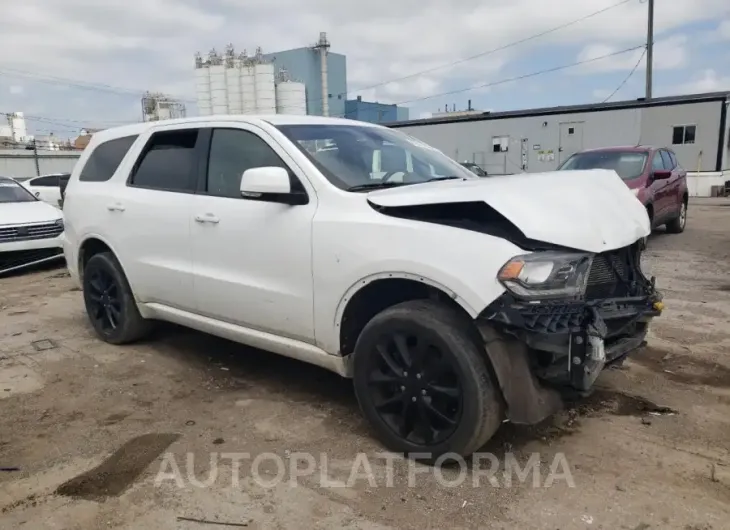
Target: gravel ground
{"type": "Point", "coordinates": [90, 426]}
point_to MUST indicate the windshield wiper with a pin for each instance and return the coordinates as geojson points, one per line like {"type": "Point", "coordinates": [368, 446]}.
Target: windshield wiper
{"type": "Point", "coordinates": [452, 177]}
{"type": "Point", "coordinates": [375, 186]}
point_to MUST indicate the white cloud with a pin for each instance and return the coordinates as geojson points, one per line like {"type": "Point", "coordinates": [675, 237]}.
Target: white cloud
{"type": "Point", "coordinates": [149, 44]}
{"type": "Point", "coordinates": [706, 81]}
{"type": "Point", "coordinates": [723, 30]}
{"type": "Point", "coordinates": [16, 90]}
{"type": "Point", "coordinates": [669, 54]}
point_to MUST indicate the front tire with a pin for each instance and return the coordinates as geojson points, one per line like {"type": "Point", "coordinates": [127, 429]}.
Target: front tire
{"type": "Point", "coordinates": [422, 381]}
{"type": "Point", "coordinates": [109, 302]}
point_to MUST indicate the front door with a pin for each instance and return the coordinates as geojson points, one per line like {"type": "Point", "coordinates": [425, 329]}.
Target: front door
{"type": "Point", "coordinates": [252, 260]}
{"type": "Point", "coordinates": [571, 140]}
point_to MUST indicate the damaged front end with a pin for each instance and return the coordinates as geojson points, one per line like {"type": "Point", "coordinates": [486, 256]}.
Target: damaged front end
{"type": "Point", "coordinates": [569, 314]}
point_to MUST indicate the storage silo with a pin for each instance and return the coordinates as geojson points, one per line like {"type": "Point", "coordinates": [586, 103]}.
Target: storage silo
{"type": "Point", "coordinates": [218, 89]}
{"type": "Point", "coordinates": [291, 98]}
{"type": "Point", "coordinates": [233, 86]}
{"type": "Point", "coordinates": [265, 90]}
{"type": "Point", "coordinates": [248, 88]}
{"type": "Point", "coordinates": [202, 91]}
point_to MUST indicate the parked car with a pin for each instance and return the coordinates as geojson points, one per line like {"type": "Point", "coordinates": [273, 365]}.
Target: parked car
{"type": "Point", "coordinates": [30, 230]}
{"type": "Point", "coordinates": [454, 302]}
{"type": "Point", "coordinates": [47, 187]}
{"type": "Point", "coordinates": [478, 171]}
{"type": "Point", "coordinates": [653, 175]}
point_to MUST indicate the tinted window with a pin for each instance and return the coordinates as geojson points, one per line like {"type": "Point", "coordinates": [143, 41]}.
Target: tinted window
{"type": "Point", "coordinates": [678, 135]}
{"type": "Point", "coordinates": [105, 159]}
{"type": "Point", "coordinates": [628, 164]}
{"type": "Point", "coordinates": [50, 180]}
{"type": "Point", "coordinates": [233, 151]}
{"type": "Point", "coordinates": [657, 164]}
{"type": "Point", "coordinates": [168, 162]}
{"type": "Point", "coordinates": [667, 160]}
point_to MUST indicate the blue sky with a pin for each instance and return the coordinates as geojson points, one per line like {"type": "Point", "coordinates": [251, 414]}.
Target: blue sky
{"type": "Point", "coordinates": [84, 63]}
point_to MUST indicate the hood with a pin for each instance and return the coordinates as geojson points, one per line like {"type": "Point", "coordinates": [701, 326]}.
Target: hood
{"type": "Point", "coordinates": [28, 212]}
{"type": "Point", "coordinates": [591, 210]}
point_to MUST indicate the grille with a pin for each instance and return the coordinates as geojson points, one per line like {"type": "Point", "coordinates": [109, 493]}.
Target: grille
{"type": "Point", "coordinates": [614, 274]}
{"type": "Point", "coordinates": [10, 260]}
{"type": "Point", "coordinates": [10, 234]}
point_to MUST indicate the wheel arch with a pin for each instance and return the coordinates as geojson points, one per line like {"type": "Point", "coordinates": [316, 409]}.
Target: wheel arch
{"type": "Point", "coordinates": [372, 294]}
{"type": "Point", "coordinates": [90, 245]}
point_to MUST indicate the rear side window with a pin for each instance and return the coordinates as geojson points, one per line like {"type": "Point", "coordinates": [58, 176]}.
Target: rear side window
{"type": "Point", "coordinates": [104, 161]}
{"type": "Point", "coordinates": [49, 181]}
{"type": "Point", "coordinates": [168, 162]}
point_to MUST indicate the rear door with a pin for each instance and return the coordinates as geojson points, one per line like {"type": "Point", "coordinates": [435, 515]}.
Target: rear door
{"type": "Point", "coordinates": [660, 189]}
{"type": "Point", "coordinates": [147, 215]}
{"type": "Point", "coordinates": [678, 182]}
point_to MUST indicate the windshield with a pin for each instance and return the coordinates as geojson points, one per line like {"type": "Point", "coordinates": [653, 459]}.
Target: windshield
{"type": "Point", "coordinates": [354, 157]}
{"type": "Point", "coordinates": [11, 191]}
{"type": "Point", "coordinates": [628, 164]}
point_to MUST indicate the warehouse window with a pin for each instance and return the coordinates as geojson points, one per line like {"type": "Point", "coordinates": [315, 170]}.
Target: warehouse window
{"type": "Point", "coordinates": [571, 130]}
{"type": "Point", "coordinates": [500, 144]}
{"type": "Point", "coordinates": [683, 134]}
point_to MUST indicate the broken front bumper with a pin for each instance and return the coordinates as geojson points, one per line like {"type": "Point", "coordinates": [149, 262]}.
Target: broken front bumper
{"type": "Point", "coordinates": [570, 342]}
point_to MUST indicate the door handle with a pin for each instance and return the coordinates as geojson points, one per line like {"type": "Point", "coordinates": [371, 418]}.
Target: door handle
{"type": "Point", "coordinates": [207, 218]}
{"type": "Point", "coordinates": [115, 207]}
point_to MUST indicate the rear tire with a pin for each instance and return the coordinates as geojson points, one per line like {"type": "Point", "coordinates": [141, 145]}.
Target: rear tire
{"type": "Point", "coordinates": [109, 302]}
{"type": "Point", "coordinates": [676, 226]}
{"type": "Point", "coordinates": [422, 381]}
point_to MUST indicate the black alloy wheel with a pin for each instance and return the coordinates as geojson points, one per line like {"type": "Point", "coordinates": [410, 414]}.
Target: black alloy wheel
{"type": "Point", "coordinates": [109, 302]}
{"type": "Point", "coordinates": [103, 300]}
{"type": "Point", "coordinates": [422, 380]}
{"type": "Point", "coordinates": [415, 387]}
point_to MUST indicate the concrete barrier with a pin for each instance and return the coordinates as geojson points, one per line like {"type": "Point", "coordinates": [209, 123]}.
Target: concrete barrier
{"type": "Point", "coordinates": [27, 163]}
{"type": "Point", "coordinates": [700, 184]}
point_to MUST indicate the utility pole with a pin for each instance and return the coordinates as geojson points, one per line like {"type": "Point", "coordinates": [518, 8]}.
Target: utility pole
{"type": "Point", "coordinates": [35, 157]}
{"type": "Point", "coordinates": [649, 49]}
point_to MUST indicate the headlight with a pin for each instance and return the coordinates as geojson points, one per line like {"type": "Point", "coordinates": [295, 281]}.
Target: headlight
{"type": "Point", "coordinates": [543, 275]}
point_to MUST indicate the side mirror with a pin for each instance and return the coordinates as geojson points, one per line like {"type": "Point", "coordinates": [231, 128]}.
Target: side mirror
{"type": "Point", "coordinates": [270, 184]}
{"type": "Point", "coordinates": [662, 174]}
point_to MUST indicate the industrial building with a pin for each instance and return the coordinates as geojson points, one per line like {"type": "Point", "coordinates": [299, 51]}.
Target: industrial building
{"type": "Point", "coordinates": [157, 106]}
{"type": "Point", "coordinates": [13, 129]}
{"type": "Point", "coordinates": [694, 126]}
{"type": "Point", "coordinates": [373, 112]}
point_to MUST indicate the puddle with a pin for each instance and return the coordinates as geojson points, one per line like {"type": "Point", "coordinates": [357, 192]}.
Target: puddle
{"type": "Point", "coordinates": [684, 369]}
{"type": "Point", "coordinates": [118, 472]}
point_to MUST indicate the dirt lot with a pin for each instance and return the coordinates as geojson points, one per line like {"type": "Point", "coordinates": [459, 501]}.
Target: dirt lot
{"type": "Point", "coordinates": [88, 425]}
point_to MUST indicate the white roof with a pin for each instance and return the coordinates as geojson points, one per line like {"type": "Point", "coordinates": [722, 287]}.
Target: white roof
{"type": "Point", "coordinates": [273, 119]}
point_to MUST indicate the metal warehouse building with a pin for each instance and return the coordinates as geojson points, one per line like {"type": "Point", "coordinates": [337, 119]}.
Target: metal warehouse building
{"type": "Point", "coordinates": [694, 126]}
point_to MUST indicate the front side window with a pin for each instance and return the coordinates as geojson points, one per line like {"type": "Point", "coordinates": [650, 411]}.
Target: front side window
{"type": "Point", "coordinates": [667, 160]}
{"type": "Point", "coordinates": [233, 151]}
{"type": "Point", "coordinates": [657, 164]}
{"type": "Point", "coordinates": [105, 159]}
{"type": "Point", "coordinates": [168, 162]}
{"type": "Point", "coordinates": [355, 157]}
{"type": "Point", "coordinates": [628, 164]}
{"type": "Point", "coordinates": [11, 191]}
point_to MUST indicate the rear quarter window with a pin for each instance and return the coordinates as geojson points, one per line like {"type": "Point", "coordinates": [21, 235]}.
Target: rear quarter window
{"type": "Point", "coordinates": [105, 159]}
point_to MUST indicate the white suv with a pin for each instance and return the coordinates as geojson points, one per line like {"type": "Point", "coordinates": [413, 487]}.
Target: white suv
{"type": "Point", "coordinates": [454, 302]}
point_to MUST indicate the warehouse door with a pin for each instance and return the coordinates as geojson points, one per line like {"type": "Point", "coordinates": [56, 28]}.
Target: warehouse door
{"type": "Point", "coordinates": [571, 139]}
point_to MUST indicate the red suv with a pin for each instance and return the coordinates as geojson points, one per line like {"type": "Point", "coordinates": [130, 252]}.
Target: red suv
{"type": "Point", "coordinates": [652, 173]}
